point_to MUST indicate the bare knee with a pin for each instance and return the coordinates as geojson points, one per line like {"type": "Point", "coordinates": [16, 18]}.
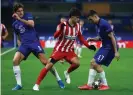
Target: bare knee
{"type": "Point", "coordinates": [96, 66]}
{"type": "Point", "coordinates": [43, 59]}
{"type": "Point", "coordinates": [99, 69]}
{"type": "Point", "coordinates": [49, 65]}
{"type": "Point", "coordinates": [76, 65]}
{"type": "Point", "coordinates": [16, 61]}
{"type": "Point", "coordinates": [18, 57]}
{"type": "Point", "coordinates": [76, 62]}
{"type": "Point", "coordinates": [92, 64]}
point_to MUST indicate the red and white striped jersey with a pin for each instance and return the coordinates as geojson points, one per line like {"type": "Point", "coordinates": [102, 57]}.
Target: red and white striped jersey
{"type": "Point", "coordinates": [67, 35]}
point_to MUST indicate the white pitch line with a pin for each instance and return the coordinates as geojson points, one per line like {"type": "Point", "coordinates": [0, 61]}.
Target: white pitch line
{"type": "Point", "coordinates": [7, 51]}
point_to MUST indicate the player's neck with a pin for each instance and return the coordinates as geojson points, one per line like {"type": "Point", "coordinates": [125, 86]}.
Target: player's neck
{"type": "Point", "coordinates": [70, 22]}
{"type": "Point", "coordinates": [98, 20]}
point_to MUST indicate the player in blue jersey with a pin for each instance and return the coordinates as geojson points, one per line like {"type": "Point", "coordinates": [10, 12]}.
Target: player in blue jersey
{"type": "Point", "coordinates": [105, 54]}
{"type": "Point", "coordinates": [24, 27]}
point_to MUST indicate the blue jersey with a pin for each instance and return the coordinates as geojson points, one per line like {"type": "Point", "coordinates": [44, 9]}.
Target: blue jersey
{"type": "Point", "coordinates": [103, 28]}
{"type": "Point", "coordinates": [27, 33]}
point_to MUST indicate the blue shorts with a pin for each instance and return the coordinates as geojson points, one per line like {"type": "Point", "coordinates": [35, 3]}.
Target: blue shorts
{"type": "Point", "coordinates": [34, 48]}
{"type": "Point", "coordinates": [104, 56]}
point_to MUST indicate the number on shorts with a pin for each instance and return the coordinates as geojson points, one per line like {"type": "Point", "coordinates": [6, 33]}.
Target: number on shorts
{"type": "Point", "coordinates": [100, 58]}
{"type": "Point", "coordinates": [39, 48]}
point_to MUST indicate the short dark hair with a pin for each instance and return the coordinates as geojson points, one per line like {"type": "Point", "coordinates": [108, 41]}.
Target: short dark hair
{"type": "Point", "coordinates": [74, 12]}
{"type": "Point", "coordinates": [17, 6]}
{"type": "Point", "coordinates": [91, 13]}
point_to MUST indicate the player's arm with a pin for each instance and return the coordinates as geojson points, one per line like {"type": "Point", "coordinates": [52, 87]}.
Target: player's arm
{"type": "Point", "coordinates": [6, 33]}
{"type": "Point", "coordinates": [59, 30]}
{"type": "Point", "coordinates": [81, 38]}
{"type": "Point", "coordinates": [28, 22]}
{"type": "Point", "coordinates": [111, 35]}
{"type": "Point", "coordinates": [94, 39]}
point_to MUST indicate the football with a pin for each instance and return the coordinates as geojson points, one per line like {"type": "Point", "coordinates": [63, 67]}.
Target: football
{"type": "Point", "coordinates": [96, 84]}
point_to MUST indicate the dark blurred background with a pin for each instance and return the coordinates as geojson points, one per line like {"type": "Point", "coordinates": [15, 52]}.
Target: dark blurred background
{"type": "Point", "coordinates": [47, 14]}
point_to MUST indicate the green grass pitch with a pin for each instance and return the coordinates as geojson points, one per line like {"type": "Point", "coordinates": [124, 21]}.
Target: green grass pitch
{"type": "Point", "coordinates": [119, 75]}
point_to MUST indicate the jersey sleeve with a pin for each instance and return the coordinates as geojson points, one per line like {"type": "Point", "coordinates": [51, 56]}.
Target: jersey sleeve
{"type": "Point", "coordinates": [29, 16]}
{"type": "Point", "coordinates": [108, 28]}
{"type": "Point", "coordinates": [59, 30]}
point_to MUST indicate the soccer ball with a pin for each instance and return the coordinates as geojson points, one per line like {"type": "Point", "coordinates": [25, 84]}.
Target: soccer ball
{"type": "Point", "coordinates": [96, 84]}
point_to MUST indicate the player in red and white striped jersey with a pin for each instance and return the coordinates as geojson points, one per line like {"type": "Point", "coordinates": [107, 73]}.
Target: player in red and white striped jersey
{"type": "Point", "coordinates": [4, 34]}
{"type": "Point", "coordinates": [66, 34]}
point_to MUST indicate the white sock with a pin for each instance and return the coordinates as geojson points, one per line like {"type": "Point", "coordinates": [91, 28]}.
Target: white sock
{"type": "Point", "coordinates": [55, 73]}
{"type": "Point", "coordinates": [91, 77]}
{"type": "Point", "coordinates": [17, 73]}
{"type": "Point", "coordinates": [103, 78]}
{"type": "Point", "coordinates": [79, 51]}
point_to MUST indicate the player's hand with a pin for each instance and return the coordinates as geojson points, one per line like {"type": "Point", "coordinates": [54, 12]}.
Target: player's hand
{"type": "Point", "coordinates": [16, 16]}
{"type": "Point", "coordinates": [117, 56]}
{"type": "Point", "coordinates": [92, 47]}
{"type": "Point", "coordinates": [3, 37]}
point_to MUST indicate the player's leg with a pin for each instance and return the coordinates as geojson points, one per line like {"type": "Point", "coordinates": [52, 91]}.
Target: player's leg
{"type": "Point", "coordinates": [74, 61]}
{"type": "Point", "coordinates": [16, 69]}
{"type": "Point", "coordinates": [21, 54]}
{"type": "Point", "coordinates": [42, 75]}
{"type": "Point", "coordinates": [104, 57]}
{"type": "Point", "coordinates": [38, 51]}
{"type": "Point", "coordinates": [106, 61]}
{"type": "Point", "coordinates": [92, 72]}
{"type": "Point", "coordinates": [53, 70]}
{"type": "Point", "coordinates": [54, 58]}
{"type": "Point", "coordinates": [91, 77]}
{"type": "Point", "coordinates": [74, 64]}
{"type": "Point", "coordinates": [100, 71]}
{"type": "Point", "coordinates": [95, 67]}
